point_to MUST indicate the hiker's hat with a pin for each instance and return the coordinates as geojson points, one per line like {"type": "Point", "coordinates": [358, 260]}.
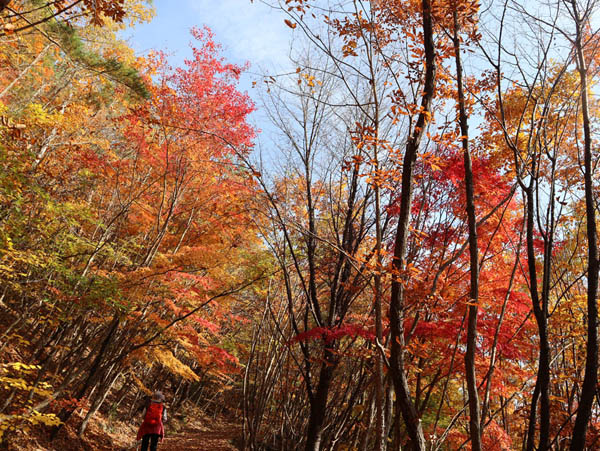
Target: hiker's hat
{"type": "Point", "coordinates": [158, 396]}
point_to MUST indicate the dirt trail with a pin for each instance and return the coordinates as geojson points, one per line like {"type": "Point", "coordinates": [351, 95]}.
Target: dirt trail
{"type": "Point", "coordinates": [195, 438]}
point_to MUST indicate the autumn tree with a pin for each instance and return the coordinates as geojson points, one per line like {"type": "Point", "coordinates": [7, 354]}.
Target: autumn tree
{"type": "Point", "coordinates": [120, 237]}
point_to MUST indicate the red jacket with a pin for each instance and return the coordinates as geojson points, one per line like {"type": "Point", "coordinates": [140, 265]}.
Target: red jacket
{"type": "Point", "coordinates": [147, 428]}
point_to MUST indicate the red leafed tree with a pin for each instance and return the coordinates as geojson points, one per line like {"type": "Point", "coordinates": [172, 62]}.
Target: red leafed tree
{"type": "Point", "coordinates": [161, 231]}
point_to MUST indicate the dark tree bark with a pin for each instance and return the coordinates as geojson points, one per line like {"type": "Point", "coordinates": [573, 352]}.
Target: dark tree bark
{"type": "Point", "coordinates": [93, 374]}
{"type": "Point", "coordinates": [404, 402]}
{"type": "Point", "coordinates": [474, 410]}
{"type": "Point", "coordinates": [540, 310]}
{"type": "Point", "coordinates": [318, 403]}
{"type": "Point", "coordinates": [590, 379]}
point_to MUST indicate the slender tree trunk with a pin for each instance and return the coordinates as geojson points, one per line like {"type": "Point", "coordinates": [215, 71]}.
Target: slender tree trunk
{"type": "Point", "coordinates": [474, 412]}
{"type": "Point", "coordinates": [27, 69]}
{"type": "Point", "coordinates": [494, 352]}
{"type": "Point", "coordinates": [380, 443]}
{"type": "Point", "coordinates": [98, 401]}
{"type": "Point", "coordinates": [364, 441]}
{"type": "Point", "coordinates": [590, 379]}
{"type": "Point", "coordinates": [379, 381]}
{"type": "Point", "coordinates": [541, 391]}
{"type": "Point", "coordinates": [93, 374]}
{"type": "Point", "coordinates": [318, 403]}
{"type": "Point", "coordinates": [396, 314]}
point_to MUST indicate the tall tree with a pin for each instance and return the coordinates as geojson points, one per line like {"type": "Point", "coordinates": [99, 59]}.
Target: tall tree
{"type": "Point", "coordinates": [397, 305]}
{"type": "Point", "coordinates": [581, 20]}
{"type": "Point", "coordinates": [474, 409]}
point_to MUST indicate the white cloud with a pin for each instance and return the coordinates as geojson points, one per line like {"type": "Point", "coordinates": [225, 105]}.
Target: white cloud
{"type": "Point", "coordinates": [248, 31]}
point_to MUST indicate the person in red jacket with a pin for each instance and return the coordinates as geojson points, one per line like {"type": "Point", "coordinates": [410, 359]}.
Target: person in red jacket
{"type": "Point", "coordinates": [152, 428]}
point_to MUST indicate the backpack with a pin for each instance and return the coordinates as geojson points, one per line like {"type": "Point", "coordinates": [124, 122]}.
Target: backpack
{"type": "Point", "coordinates": [153, 414]}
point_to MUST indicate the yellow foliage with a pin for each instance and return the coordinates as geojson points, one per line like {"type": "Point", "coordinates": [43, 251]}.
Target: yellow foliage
{"type": "Point", "coordinates": [168, 360]}
{"type": "Point", "coordinates": [13, 377]}
{"type": "Point", "coordinates": [137, 12]}
{"type": "Point", "coordinates": [36, 114]}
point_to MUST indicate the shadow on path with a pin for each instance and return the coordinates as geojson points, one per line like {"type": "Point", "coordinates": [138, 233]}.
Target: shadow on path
{"type": "Point", "coordinates": [218, 438]}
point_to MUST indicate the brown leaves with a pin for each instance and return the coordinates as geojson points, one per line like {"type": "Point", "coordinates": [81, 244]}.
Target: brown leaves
{"type": "Point", "coordinates": [113, 9]}
{"type": "Point", "coordinates": [349, 49]}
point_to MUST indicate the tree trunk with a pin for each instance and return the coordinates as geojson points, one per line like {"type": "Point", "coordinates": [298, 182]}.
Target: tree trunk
{"type": "Point", "coordinates": [474, 412]}
{"type": "Point", "coordinates": [98, 401]}
{"type": "Point", "coordinates": [396, 313]}
{"type": "Point", "coordinates": [318, 403]}
{"type": "Point", "coordinates": [380, 443]}
{"type": "Point", "coordinates": [543, 376]}
{"type": "Point", "coordinates": [590, 379]}
{"type": "Point", "coordinates": [29, 66]}
{"type": "Point", "coordinates": [93, 374]}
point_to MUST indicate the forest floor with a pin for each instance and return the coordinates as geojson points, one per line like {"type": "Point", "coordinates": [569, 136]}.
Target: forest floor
{"type": "Point", "coordinates": [217, 436]}
{"type": "Point", "coordinates": [203, 433]}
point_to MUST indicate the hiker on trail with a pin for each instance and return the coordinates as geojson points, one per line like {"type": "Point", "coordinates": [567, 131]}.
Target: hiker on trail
{"type": "Point", "coordinates": [152, 428]}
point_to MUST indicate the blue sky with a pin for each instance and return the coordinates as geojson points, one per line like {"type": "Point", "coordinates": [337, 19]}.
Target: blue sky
{"type": "Point", "coordinates": [248, 31]}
